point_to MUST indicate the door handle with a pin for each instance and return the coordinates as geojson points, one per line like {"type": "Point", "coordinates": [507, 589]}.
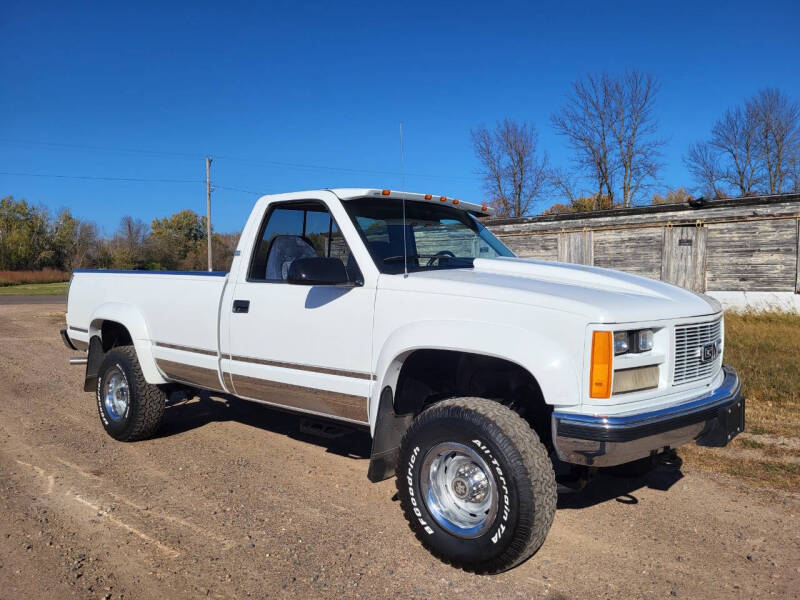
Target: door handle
{"type": "Point", "coordinates": [241, 306]}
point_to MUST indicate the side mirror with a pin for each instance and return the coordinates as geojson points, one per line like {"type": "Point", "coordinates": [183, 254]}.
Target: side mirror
{"type": "Point", "coordinates": [318, 271]}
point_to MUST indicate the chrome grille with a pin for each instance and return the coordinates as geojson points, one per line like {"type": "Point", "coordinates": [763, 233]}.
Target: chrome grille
{"type": "Point", "coordinates": [689, 341]}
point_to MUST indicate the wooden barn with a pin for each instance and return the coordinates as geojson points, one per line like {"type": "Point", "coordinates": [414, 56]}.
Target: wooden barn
{"type": "Point", "coordinates": [743, 251]}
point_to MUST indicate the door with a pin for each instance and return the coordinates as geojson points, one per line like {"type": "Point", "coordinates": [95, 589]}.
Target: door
{"type": "Point", "coordinates": [302, 347]}
{"type": "Point", "coordinates": [684, 257]}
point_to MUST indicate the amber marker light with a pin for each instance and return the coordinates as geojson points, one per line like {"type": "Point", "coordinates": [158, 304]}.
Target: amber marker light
{"type": "Point", "coordinates": [386, 192]}
{"type": "Point", "coordinates": [428, 196]}
{"type": "Point", "coordinates": [443, 199]}
{"type": "Point", "coordinates": [600, 373]}
{"type": "Point", "coordinates": [455, 201]}
{"type": "Point", "coordinates": [484, 208]}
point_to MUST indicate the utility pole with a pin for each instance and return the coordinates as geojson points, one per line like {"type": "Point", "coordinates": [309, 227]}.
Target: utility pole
{"type": "Point", "coordinates": [208, 209]}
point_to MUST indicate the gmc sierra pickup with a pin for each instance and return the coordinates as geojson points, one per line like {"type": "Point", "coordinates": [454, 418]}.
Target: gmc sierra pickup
{"type": "Point", "coordinates": [474, 371]}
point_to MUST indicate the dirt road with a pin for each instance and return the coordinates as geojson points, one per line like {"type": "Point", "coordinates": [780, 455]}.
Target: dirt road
{"type": "Point", "coordinates": [231, 501]}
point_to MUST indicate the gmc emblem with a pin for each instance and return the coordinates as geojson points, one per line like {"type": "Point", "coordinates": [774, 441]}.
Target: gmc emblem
{"type": "Point", "coordinates": [710, 351]}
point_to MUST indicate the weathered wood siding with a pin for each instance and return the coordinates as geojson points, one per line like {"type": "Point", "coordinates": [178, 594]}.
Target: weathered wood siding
{"type": "Point", "coordinates": [746, 244]}
{"type": "Point", "coordinates": [637, 251]}
{"type": "Point", "coordinates": [752, 256]}
{"type": "Point", "coordinates": [539, 246]}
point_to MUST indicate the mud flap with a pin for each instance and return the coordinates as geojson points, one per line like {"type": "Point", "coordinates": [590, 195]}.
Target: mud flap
{"type": "Point", "coordinates": [389, 430]}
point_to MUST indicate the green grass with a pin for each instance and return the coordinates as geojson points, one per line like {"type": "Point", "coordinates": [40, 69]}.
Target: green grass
{"type": "Point", "coordinates": [35, 289]}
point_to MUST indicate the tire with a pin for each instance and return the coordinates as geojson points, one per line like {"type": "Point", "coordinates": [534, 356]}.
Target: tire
{"type": "Point", "coordinates": [447, 443]}
{"type": "Point", "coordinates": [130, 408]}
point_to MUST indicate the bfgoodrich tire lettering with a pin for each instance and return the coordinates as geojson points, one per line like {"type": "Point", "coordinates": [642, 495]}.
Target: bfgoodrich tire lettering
{"type": "Point", "coordinates": [138, 413]}
{"type": "Point", "coordinates": [519, 473]}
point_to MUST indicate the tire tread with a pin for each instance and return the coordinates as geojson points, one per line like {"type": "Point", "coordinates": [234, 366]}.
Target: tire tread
{"type": "Point", "coordinates": [532, 458]}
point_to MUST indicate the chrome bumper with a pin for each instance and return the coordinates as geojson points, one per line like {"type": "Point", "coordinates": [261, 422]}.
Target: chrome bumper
{"type": "Point", "coordinates": [712, 419]}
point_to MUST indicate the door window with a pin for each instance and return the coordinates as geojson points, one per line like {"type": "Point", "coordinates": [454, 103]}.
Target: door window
{"type": "Point", "coordinates": [298, 230]}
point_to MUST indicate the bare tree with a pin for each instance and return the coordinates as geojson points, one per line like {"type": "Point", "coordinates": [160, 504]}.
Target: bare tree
{"type": "Point", "coordinates": [777, 123]}
{"type": "Point", "coordinates": [515, 173]}
{"type": "Point", "coordinates": [735, 137]}
{"type": "Point", "coordinates": [632, 99]}
{"type": "Point", "coordinates": [564, 181]}
{"type": "Point", "coordinates": [702, 160]}
{"type": "Point", "coordinates": [609, 122]}
{"type": "Point", "coordinates": [586, 121]}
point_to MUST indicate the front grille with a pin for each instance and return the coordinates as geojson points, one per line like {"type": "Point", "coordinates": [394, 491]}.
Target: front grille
{"type": "Point", "coordinates": [689, 341]}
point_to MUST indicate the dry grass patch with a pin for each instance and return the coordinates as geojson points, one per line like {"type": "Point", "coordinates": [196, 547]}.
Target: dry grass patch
{"type": "Point", "coordinates": [43, 276]}
{"type": "Point", "coordinates": [767, 472]}
{"type": "Point", "coordinates": [765, 349]}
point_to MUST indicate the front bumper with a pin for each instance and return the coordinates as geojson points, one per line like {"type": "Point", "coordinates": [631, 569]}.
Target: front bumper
{"type": "Point", "coordinates": [712, 419]}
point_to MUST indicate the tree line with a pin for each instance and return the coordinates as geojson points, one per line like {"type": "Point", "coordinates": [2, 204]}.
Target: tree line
{"type": "Point", "coordinates": [609, 122]}
{"type": "Point", "coordinates": [32, 239]}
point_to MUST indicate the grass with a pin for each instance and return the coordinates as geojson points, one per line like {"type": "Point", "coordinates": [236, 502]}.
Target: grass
{"type": "Point", "coordinates": [765, 349]}
{"type": "Point", "coordinates": [35, 289]}
{"type": "Point", "coordinates": [22, 277]}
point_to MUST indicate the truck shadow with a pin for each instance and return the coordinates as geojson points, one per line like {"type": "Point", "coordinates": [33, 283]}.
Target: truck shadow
{"type": "Point", "coordinates": [186, 413]}
{"type": "Point", "coordinates": [607, 486]}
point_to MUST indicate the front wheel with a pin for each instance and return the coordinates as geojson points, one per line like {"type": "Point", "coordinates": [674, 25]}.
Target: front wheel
{"type": "Point", "coordinates": [476, 484]}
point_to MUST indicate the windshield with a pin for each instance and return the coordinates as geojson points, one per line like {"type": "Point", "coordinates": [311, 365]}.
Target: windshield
{"type": "Point", "coordinates": [436, 236]}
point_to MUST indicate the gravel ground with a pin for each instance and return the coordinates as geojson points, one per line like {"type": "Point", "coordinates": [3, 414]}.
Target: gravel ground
{"type": "Point", "coordinates": [232, 501]}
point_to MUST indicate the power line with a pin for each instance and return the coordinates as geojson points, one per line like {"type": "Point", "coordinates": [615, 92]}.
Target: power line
{"type": "Point", "coordinates": [100, 178]}
{"type": "Point", "coordinates": [239, 159]}
{"type": "Point", "coordinates": [235, 189]}
{"type": "Point", "coordinates": [100, 148]}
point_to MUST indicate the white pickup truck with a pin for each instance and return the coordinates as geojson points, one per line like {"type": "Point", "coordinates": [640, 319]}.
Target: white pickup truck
{"type": "Point", "coordinates": [473, 370]}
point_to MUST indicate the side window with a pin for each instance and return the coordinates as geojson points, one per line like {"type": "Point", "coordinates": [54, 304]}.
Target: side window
{"type": "Point", "coordinates": [297, 230]}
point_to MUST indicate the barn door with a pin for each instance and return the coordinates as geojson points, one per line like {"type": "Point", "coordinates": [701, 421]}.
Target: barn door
{"type": "Point", "coordinates": [576, 247]}
{"type": "Point", "coordinates": [684, 259]}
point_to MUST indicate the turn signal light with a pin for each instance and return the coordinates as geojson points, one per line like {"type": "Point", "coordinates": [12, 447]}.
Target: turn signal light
{"type": "Point", "coordinates": [600, 372]}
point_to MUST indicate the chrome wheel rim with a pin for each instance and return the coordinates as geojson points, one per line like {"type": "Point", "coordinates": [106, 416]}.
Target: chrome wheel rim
{"type": "Point", "coordinates": [116, 394]}
{"type": "Point", "coordinates": [458, 489]}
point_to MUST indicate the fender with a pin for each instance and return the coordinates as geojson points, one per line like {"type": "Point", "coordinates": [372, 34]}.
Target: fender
{"type": "Point", "coordinates": [549, 361]}
{"type": "Point", "coordinates": [129, 316]}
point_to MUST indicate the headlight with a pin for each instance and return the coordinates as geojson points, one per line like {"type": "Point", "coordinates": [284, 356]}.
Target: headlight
{"type": "Point", "coordinates": [644, 340]}
{"type": "Point", "coordinates": [621, 344]}
{"type": "Point", "coordinates": [633, 341]}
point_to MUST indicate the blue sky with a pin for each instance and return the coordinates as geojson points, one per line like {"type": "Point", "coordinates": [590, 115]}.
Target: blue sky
{"type": "Point", "coordinates": [267, 87]}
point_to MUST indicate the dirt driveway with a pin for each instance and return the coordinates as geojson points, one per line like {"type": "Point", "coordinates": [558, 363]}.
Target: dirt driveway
{"type": "Point", "coordinates": [231, 501]}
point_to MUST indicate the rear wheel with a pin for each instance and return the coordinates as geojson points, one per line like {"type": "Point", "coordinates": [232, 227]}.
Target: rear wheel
{"type": "Point", "coordinates": [130, 408]}
{"type": "Point", "coordinates": [476, 484]}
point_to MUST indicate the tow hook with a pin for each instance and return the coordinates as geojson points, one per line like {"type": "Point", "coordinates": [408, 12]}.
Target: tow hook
{"type": "Point", "coordinates": [78, 360]}
{"type": "Point", "coordinates": [669, 459]}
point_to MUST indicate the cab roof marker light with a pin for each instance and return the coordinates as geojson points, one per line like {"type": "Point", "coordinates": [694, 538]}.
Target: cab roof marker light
{"type": "Point", "coordinates": [443, 199]}
{"type": "Point", "coordinates": [455, 201]}
{"type": "Point", "coordinates": [428, 196]}
{"type": "Point", "coordinates": [386, 192]}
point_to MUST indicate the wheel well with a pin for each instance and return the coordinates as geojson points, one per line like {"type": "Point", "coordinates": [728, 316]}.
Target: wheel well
{"type": "Point", "coordinates": [428, 376]}
{"type": "Point", "coordinates": [114, 334]}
